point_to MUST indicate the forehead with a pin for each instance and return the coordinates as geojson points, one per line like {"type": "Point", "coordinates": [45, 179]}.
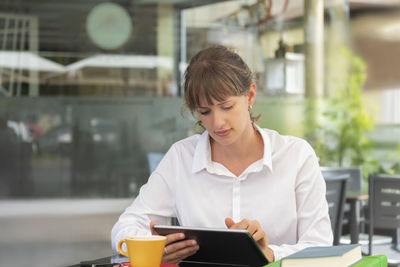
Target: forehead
{"type": "Point", "coordinates": [203, 102]}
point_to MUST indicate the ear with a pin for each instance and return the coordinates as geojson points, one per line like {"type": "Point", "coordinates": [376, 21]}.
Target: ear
{"type": "Point", "coordinates": [252, 94]}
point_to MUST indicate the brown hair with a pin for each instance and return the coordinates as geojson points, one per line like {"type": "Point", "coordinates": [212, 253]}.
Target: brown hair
{"type": "Point", "coordinates": [215, 73]}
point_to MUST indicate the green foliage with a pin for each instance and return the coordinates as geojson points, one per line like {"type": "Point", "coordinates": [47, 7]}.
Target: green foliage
{"type": "Point", "coordinates": [395, 167]}
{"type": "Point", "coordinates": [337, 126]}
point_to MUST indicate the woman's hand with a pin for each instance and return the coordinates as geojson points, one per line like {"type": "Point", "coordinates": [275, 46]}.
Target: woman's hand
{"type": "Point", "coordinates": [255, 229]}
{"type": "Point", "coordinates": [176, 249]}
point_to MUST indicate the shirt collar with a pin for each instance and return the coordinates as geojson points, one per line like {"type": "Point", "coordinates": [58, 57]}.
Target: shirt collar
{"type": "Point", "coordinates": [202, 154]}
{"type": "Point", "coordinates": [267, 158]}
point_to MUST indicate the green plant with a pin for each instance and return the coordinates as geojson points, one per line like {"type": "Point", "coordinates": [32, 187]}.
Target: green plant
{"type": "Point", "coordinates": [395, 167]}
{"type": "Point", "coordinates": [337, 126]}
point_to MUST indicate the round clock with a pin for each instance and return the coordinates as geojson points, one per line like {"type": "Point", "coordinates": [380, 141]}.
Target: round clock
{"type": "Point", "coordinates": [108, 25]}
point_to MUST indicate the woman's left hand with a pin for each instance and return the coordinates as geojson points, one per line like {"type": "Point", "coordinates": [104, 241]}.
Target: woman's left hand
{"type": "Point", "coordinates": [255, 229]}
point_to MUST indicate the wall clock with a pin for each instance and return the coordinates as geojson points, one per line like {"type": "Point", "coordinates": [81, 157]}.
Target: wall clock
{"type": "Point", "coordinates": [108, 25]}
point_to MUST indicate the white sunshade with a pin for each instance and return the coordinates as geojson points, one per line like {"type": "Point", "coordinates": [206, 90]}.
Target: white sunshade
{"type": "Point", "coordinates": [31, 61]}
{"type": "Point", "coordinates": [122, 61]}
{"type": "Point", "coordinates": [28, 61]}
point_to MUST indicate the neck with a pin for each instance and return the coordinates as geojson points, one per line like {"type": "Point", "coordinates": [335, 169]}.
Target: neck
{"type": "Point", "coordinates": [251, 139]}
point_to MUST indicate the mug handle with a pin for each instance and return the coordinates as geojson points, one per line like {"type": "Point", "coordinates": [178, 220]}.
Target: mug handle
{"type": "Point", "coordinates": [120, 248]}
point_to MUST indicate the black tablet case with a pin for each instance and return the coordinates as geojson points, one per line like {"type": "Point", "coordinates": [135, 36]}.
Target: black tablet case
{"type": "Point", "coordinates": [219, 247]}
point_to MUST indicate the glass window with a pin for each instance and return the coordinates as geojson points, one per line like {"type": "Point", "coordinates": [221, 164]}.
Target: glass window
{"type": "Point", "coordinates": [91, 90]}
{"type": "Point", "coordinates": [91, 96]}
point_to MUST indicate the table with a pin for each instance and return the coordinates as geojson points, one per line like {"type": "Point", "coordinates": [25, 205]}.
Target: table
{"type": "Point", "coordinates": [355, 198]}
{"type": "Point", "coordinates": [368, 261]}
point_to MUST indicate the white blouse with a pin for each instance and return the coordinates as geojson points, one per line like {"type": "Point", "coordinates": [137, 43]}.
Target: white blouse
{"type": "Point", "coordinates": [284, 191]}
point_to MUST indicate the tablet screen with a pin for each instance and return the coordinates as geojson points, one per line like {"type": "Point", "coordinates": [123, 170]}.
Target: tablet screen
{"type": "Point", "coordinates": [220, 246]}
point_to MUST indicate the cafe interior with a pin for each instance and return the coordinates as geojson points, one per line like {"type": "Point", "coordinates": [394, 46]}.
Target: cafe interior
{"type": "Point", "coordinates": [91, 100]}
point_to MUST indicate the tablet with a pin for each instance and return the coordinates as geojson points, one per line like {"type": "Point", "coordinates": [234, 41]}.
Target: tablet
{"type": "Point", "coordinates": [220, 247]}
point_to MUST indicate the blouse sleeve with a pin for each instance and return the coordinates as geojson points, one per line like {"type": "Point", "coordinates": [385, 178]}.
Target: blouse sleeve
{"type": "Point", "coordinates": [313, 223]}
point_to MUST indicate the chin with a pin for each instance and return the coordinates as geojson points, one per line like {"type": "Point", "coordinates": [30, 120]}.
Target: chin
{"type": "Point", "coordinates": [225, 141]}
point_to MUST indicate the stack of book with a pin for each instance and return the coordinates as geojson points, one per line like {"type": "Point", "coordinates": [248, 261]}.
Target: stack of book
{"type": "Point", "coordinates": [334, 256]}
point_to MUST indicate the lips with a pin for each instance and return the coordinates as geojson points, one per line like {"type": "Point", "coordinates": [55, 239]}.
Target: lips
{"type": "Point", "coordinates": [223, 133]}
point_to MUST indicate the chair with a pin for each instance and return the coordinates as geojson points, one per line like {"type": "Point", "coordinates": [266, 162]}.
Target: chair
{"type": "Point", "coordinates": [354, 218]}
{"type": "Point", "coordinates": [335, 195]}
{"type": "Point", "coordinates": [355, 181]}
{"type": "Point", "coordinates": [384, 213]}
{"type": "Point", "coordinates": [174, 221]}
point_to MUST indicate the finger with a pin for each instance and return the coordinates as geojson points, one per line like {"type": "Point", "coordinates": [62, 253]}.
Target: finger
{"type": "Point", "coordinates": [180, 255]}
{"type": "Point", "coordinates": [259, 235]}
{"type": "Point", "coordinates": [153, 232]}
{"type": "Point", "coordinates": [177, 252]}
{"type": "Point", "coordinates": [243, 224]}
{"type": "Point", "coordinates": [180, 249]}
{"type": "Point", "coordinates": [174, 247]}
{"type": "Point", "coordinates": [229, 222]}
{"type": "Point", "coordinates": [171, 238]}
{"type": "Point", "coordinates": [252, 228]}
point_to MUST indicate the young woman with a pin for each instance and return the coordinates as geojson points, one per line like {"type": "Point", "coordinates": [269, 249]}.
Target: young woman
{"type": "Point", "coordinates": [234, 174]}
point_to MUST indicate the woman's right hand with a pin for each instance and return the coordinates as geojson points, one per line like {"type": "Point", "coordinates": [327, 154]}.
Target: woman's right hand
{"type": "Point", "coordinates": [176, 248]}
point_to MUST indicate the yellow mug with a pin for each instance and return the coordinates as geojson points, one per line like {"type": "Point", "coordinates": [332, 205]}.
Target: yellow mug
{"type": "Point", "coordinates": [143, 251]}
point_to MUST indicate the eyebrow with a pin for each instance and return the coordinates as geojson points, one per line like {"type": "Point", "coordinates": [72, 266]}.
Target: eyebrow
{"type": "Point", "coordinates": [219, 104]}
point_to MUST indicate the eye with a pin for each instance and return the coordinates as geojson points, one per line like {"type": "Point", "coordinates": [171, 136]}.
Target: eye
{"type": "Point", "coordinates": [227, 107]}
{"type": "Point", "coordinates": [204, 112]}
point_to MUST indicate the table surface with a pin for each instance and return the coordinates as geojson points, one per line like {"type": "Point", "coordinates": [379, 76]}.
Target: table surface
{"type": "Point", "coordinates": [356, 195]}
{"type": "Point", "coordinates": [368, 261]}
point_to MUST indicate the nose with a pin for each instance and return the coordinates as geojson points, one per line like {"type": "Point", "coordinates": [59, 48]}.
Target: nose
{"type": "Point", "coordinates": [218, 120]}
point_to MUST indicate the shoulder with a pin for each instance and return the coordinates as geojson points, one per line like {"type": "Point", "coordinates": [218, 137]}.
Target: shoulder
{"type": "Point", "coordinates": [184, 148]}
{"type": "Point", "coordinates": [187, 143]}
{"type": "Point", "coordinates": [287, 148]}
{"type": "Point", "coordinates": [179, 153]}
{"type": "Point", "coordinates": [295, 152]}
{"type": "Point", "coordinates": [278, 139]}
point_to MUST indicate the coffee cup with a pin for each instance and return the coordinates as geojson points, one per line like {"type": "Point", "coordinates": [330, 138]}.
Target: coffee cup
{"type": "Point", "coordinates": [143, 251]}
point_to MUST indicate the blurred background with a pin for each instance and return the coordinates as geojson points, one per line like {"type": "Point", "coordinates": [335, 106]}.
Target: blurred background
{"type": "Point", "coordinates": [91, 99]}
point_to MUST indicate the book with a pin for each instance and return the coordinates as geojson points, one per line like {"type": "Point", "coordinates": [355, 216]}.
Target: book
{"type": "Point", "coordinates": [334, 256]}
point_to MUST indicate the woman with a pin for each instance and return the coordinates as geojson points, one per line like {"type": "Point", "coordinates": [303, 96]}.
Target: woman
{"type": "Point", "coordinates": [234, 174]}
